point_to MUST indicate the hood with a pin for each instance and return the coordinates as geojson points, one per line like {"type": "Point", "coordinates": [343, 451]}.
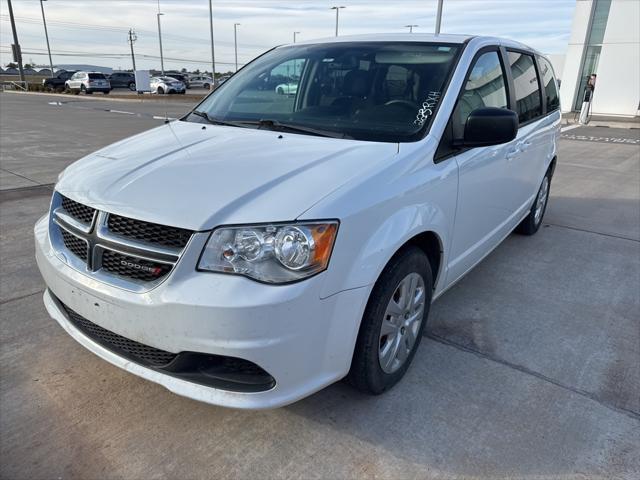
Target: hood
{"type": "Point", "coordinates": [199, 176]}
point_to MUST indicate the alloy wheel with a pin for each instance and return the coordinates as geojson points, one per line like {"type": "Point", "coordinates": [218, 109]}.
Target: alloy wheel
{"type": "Point", "coordinates": [401, 323]}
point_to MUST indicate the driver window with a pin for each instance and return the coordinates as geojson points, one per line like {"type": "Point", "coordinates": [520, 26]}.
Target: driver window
{"type": "Point", "coordinates": [484, 88]}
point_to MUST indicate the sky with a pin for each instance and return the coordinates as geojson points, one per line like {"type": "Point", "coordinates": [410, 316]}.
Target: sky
{"type": "Point", "coordinates": [95, 31]}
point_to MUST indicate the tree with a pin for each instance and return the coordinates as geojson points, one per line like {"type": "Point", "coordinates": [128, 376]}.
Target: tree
{"type": "Point", "coordinates": [184, 70]}
{"type": "Point", "coordinates": [11, 65]}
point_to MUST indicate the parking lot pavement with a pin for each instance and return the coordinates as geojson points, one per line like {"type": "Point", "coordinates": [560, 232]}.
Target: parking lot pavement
{"type": "Point", "coordinates": [529, 366]}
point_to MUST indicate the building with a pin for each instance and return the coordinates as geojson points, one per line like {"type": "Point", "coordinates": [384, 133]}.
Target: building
{"type": "Point", "coordinates": [605, 40]}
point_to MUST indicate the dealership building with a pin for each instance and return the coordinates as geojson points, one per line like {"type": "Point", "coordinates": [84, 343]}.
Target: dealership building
{"type": "Point", "coordinates": [605, 40]}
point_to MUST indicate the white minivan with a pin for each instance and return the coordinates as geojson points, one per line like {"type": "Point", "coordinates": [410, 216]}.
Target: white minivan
{"type": "Point", "coordinates": [265, 246]}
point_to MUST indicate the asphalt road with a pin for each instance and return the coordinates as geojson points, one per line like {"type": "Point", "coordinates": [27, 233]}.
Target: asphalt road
{"type": "Point", "coordinates": [530, 366]}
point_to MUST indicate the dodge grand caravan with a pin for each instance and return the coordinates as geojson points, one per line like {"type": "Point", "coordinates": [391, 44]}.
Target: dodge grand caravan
{"type": "Point", "coordinates": [265, 246]}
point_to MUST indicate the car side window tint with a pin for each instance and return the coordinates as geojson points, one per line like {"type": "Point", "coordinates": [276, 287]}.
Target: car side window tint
{"type": "Point", "coordinates": [526, 86]}
{"type": "Point", "coordinates": [485, 87]}
{"type": "Point", "coordinates": [550, 85]}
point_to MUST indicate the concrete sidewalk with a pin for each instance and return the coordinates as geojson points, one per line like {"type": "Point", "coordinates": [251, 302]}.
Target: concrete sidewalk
{"type": "Point", "coordinates": [529, 368]}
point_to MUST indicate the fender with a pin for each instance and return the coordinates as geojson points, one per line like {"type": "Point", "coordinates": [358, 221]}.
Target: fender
{"type": "Point", "coordinates": [383, 211]}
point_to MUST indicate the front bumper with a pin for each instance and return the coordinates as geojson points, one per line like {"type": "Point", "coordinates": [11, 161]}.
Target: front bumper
{"type": "Point", "coordinates": [304, 342]}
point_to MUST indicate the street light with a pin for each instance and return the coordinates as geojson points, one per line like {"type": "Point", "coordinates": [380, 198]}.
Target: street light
{"type": "Point", "coordinates": [160, 39]}
{"type": "Point", "coordinates": [235, 41]}
{"type": "Point", "coordinates": [294, 36]}
{"type": "Point", "coordinates": [410, 27]}
{"type": "Point", "coordinates": [439, 17]}
{"type": "Point", "coordinates": [213, 55]}
{"type": "Point", "coordinates": [337, 9]}
{"type": "Point", "coordinates": [46, 34]}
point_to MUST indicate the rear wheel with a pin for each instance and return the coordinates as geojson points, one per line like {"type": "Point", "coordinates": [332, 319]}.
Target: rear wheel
{"type": "Point", "coordinates": [107, 92]}
{"type": "Point", "coordinates": [132, 86]}
{"type": "Point", "coordinates": [280, 91]}
{"type": "Point", "coordinates": [160, 90]}
{"type": "Point", "coordinates": [393, 322]}
{"type": "Point", "coordinates": [206, 86]}
{"type": "Point", "coordinates": [532, 222]}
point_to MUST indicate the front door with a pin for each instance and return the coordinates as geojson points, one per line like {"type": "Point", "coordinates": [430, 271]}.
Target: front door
{"type": "Point", "coordinates": [484, 211]}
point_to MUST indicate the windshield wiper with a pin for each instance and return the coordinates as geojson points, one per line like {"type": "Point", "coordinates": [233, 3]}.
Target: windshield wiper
{"type": "Point", "coordinates": [286, 127]}
{"type": "Point", "coordinates": [216, 121]}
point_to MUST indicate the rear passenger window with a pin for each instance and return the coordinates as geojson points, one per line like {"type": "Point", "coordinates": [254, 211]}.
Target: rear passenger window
{"type": "Point", "coordinates": [550, 85]}
{"type": "Point", "coordinates": [485, 87]}
{"type": "Point", "coordinates": [526, 85]}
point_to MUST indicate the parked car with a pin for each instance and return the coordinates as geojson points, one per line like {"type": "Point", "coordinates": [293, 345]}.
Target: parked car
{"type": "Point", "coordinates": [88, 82]}
{"type": "Point", "coordinates": [184, 78]}
{"type": "Point", "coordinates": [123, 80]}
{"type": "Point", "coordinates": [287, 88]}
{"type": "Point", "coordinates": [201, 82]}
{"type": "Point", "coordinates": [57, 83]}
{"type": "Point", "coordinates": [161, 85]}
{"type": "Point", "coordinates": [259, 249]}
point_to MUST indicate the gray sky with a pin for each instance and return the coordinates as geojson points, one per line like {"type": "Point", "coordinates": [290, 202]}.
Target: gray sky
{"type": "Point", "coordinates": [100, 27]}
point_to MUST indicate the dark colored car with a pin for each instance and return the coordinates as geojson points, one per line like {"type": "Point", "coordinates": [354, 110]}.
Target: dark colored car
{"type": "Point", "coordinates": [57, 82]}
{"type": "Point", "coordinates": [123, 80]}
{"type": "Point", "coordinates": [184, 78]}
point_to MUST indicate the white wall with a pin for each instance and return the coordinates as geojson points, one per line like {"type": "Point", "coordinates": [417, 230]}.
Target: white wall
{"type": "Point", "coordinates": [618, 85]}
{"type": "Point", "coordinates": [571, 73]}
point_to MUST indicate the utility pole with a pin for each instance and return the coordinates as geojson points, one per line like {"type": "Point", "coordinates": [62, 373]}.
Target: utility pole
{"type": "Point", "coordinates": [132, 38]}
{"type": "Point", "coordinates": [439, 17]}
{"type": "Point", "coordinates": [294, 36]}
{"type": "Point", "coordinates": [46, 34]}
{"type": "Point", "coordinates": [213, 55]}
{"type": "Point", "coordinates": [235, 41]}
{"type": "Point", "coordinates": [337, 9]}
{"type": "Point", "coordinates": [410, 27]}
{"type": "Point", "coordinates": [18, 52]}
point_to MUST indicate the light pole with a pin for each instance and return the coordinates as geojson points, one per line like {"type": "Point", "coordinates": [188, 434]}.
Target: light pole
{"type": "Point", "coordinates": [46, 34]}
{"type": "Point", "coordinates": [159, 14]}
{"type": "Point", "coordinates": [410, 27]}
{"type": "Point", "coordinates": [337, 9]}
{"type": "Point", "coordinates": [439, 17]}
{"type": "Point", "coordinates": [213, 55]}
{"type": "Point", "coordinates": [235, 41]}
{"type": "Point", "coordinates": [294, 36]}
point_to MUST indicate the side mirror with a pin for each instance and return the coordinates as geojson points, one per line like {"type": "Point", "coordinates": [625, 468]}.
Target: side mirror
{"type": "Point", "coordinates": [489, 126]}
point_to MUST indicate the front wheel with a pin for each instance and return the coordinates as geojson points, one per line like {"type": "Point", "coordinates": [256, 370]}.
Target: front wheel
{"type": "Point", "coordinates": [160, 91]}
{"type": "Point", "coordinates": [533, 220]}
{"type": "Point", "coordinates": [393, 322]}
{"type": "Point", "coordinates": [132, 87]}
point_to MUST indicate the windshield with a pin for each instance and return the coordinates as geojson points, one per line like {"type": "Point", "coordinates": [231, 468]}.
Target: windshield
{"type": "Point", "coordinates": [367, 91]}
{"type": "Point", "coordinates": [97, 76]}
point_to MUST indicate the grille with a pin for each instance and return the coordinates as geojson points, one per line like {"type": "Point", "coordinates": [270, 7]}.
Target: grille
{"type": "Point", "coordinates": [148, 232]}
{"type": "Point", "coordinates": [133, 268]}
{"type": "Point", "coordinates": [75, 245]}
{"type": "Point", "coordinates": [135, 351]}
{"type": "Point", "coordinates": [80, 212]}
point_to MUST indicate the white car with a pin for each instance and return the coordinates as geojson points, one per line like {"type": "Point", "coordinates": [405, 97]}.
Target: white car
{"type": "Point", "coordinates": [88, 83]}
{"type": "Point", "coordinates": [201, 82]}
{"type": "Point", "coordinates": [254, 252]}
{"type": "Point", "coordinates": [162, 85]}
{"type": "Point", "coordinates": [287, 88]}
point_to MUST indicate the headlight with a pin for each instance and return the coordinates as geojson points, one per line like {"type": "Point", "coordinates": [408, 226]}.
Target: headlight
{"type": "Point", "coordinates": [270, 253]}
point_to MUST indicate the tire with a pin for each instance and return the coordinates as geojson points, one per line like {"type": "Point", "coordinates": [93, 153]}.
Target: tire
{"type": "Point", "coordinates": [531, 224]}
{"type": "Point", "coordinates": [132, 86]}
{"type": "Point", "coordinates": [280, 91]}
{"type": "Point", "coordinates": [83, 89]}
{"type": "Point", "coordinates": [106, 92]}
{"type": "Point", "coordinates": [160, 91]}
{"type": "Point", "coordinates": [367, 372]}
{"type": "Point", "coordinates": [206, 86]}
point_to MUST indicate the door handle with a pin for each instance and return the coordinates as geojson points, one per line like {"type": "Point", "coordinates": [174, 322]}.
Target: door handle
{"type": "Point", "coordinates": [511, 154]}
